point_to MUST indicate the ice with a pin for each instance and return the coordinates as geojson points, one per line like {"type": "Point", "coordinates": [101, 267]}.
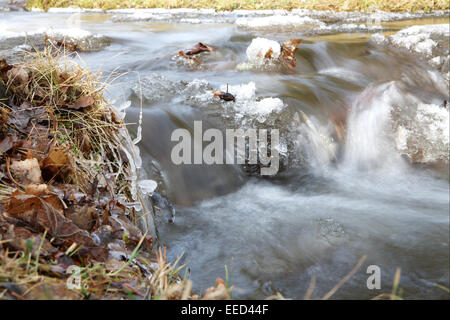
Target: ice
{"type": "Point", "coordinates": [430, 133]}
{"type": "Point", "coordinates": [247, 103]}
{"type": "Point", "coordinates": [417, 38]}
{"type": "Point", "coordinates": [260, 46]}
{"type": "Point", "coordinates": [278, 22]}
{"type": "Point", "coordinates": [425, 137]}
{"type": "Point", "coordinates": [378, 39]}
{"type": "Point", "coordinates": [349, 27]}
{"type": "Point", "coordinates": [147, 186]}
{"type": "Point", "coordinates": [428, 42]}
{"type": "Point", "coordinates": [80, 37]}
{"type": "Point", "coordinates": [71, 33]}
{"type": "Point", "coordinates": [256, 55]}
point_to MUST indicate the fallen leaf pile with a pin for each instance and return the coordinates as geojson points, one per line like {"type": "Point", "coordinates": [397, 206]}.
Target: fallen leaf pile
{"type": "Point", "coordinates": [44, 136]}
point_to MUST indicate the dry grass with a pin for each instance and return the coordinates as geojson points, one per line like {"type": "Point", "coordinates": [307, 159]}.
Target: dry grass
{"type": "Point", "coordinates": [93, 136]}
{"type": "Point", "coordinates": [335, 5]}
{"type": "Point", "coordinates": [24, 275]}
{"type": "Point", "coordinates": [95, 141]}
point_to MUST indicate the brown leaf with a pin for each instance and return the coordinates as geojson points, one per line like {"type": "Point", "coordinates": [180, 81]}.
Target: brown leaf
{"type": "Point", "coordinates": [40, 213]}
{"type": "Point", "coordinates": [116, 208]}
{"type": "Point", "coordinates": [8, 143]}
{"type": "Point", "coordinates": [182, 54]}
{"type": "Point", "coordinates": [26, 171]}
{"type": "Point", "coordinates": [82, 103]}
{"type": "Point", "coordinates": [19, 118]}
{"type": "Point", "coordinates": [18, 75]}
{"type": "Point", "coordinates": [19, 237]}
{"type": "Point", "coordinates": [200, 47]}
{"type": "Point", "coordinates": [56, 163]}
{"type": "Point", "coordinates": [36, 189]}
{"type": "Point", "coordinates": [84, 217]}
{"type": "Point", "coordinates": [268, 54]}
{"type": "Point", "coordinates": [121, 226]}
{"type": "Point", "coordinates": [54, 291]}
{"type": "Point", "coordinates": [224, 95]}
{"type": "Point", "coordinates": [69, 192]}
{"type": "Point", "coordinates": [220, 292]}
{"type": "Point", "coordinates": [105, 234]}
{"type": "Point", "coordinates": [4, 66]}
{"type": "Point", "coordinates": [38, 142]}
{"type": "Point", "coordinates": [85, 146]}
{"type": "Point", "coordinates": [288, 49]}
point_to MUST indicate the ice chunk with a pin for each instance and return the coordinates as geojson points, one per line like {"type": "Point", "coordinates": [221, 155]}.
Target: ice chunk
{"type": "Point", "coordinates": [418, 38]}
{"type": "Point", "coordinates": [278, 22]}
{"type": "Point", "coordinates": [261, 48]}
{"type": "Point", "coordinates": [147, 186]}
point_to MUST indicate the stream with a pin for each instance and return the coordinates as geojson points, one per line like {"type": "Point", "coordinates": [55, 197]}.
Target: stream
{"type": "Point", "coordinates": [364, 143]}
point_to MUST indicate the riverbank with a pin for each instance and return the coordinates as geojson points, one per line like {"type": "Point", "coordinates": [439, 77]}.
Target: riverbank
{"type": "Point", "coordinates": [228, 5]}
{"type": "Point", "coordinates": [74, 222]}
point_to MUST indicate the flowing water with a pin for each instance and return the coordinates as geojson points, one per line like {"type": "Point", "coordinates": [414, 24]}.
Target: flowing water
{"type": "Point", "coordinates": [364, 153]}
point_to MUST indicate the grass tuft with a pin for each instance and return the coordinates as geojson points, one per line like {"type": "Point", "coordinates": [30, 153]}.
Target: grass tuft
{"type": "Point", "coordinates": [226, 5]}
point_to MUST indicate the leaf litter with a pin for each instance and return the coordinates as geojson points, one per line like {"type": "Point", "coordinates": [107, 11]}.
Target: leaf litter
{"type": "Point", "coordinates": [57, 210]}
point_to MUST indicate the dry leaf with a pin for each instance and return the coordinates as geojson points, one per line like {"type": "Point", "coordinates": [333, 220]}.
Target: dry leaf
{"type": "Point", "coordinates": [84, 217]}
{"type": "Point", "coordinates": [220, 292]}
{"type": "Point", "coordinates": [8, 143]}
{"type": "Point", "coordinates": [40, 213]}
{"type": "Point", "coordinates": [55, 163]}
{"type": "Point", "coordinates": [36, 189]}
{"type": "Point", "coordinates": [38, 142]}
{"type": "Point", "coordinates": [19, 237]}
{"type": "Point", "coordinates": [288, 49]}
{"type": "Point", "coordinates": [82, 103]}
{"type": "Point", "coordinates": [18, 75]}
{"type": "Point", "coordinates": [69, 192]}
{"type": "Point", "coordinates": [200, 47]}
{"type": "Point", "coordinates": [26, 171]}
{"type": "Point", "coordinates": [182, 54]}
{"type": "Point", "coordinates": [4, 66]}
{"type": "Point", "coordinates": [268, 54]}
{"type": "Point", "coordinates": [54, 291]}
{"type": "Point", "coordinates": [224, 95]}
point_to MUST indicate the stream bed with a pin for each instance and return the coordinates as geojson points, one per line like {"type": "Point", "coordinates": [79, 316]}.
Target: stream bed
{"type": "Point", "coordinates": [364, 141]}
